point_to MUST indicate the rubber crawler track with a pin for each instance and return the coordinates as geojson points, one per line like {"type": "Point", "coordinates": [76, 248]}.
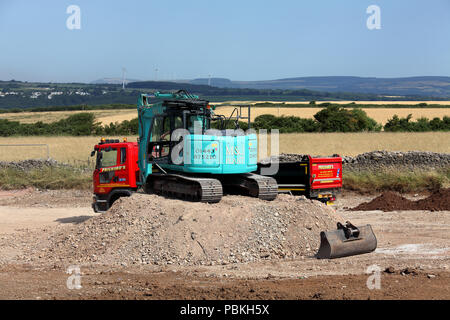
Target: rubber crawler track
{"type": "Point", "coordinates": [186, 187]}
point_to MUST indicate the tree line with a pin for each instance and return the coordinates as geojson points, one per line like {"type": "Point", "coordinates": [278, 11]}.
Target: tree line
{"type": "Point", "coordinates": [80, 124]}
{"type": "Point", "coordinates": [331, 119]}
{"type": "Point", "coordinates": [423, 124]}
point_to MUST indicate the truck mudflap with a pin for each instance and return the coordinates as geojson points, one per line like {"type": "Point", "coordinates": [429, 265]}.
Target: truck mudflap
{"type": "Point", "coordinates": [347, 240]}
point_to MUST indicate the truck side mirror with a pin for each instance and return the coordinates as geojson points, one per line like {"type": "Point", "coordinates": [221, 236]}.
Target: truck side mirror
{"type": "Point", "coordinates": [93, 153]}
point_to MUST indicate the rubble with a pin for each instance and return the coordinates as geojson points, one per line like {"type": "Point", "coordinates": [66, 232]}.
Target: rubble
{"type": "Point", "coordinates": [411, 160]}
{"type": "Point", "coordinates": [148, 229]}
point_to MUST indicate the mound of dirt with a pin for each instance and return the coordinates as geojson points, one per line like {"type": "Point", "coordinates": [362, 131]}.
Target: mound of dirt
{"type": "Point", "coordinates": [438, 201]}
{"type": "Point", "coordinates": [388, 201]}
{"type": "Point", "coordinates": [391, 201]}
{"type": "Point", "coordinates": [148, 229]}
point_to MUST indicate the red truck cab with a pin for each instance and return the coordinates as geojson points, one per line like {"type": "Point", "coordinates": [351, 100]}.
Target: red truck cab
{"type": "Point", "coordinates": [116, 172]}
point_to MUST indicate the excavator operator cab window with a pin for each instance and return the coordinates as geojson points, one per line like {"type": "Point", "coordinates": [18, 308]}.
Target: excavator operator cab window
{"type": "Point", "coordinates": [159, 144]}
{"type": "Point", "coordinates": [177, 122]}
{"type": "Point", "coordinates": [165, 136]}
{"type": "Point", "coordinates": [156, 129]}
{"type": "Point", "coordinates": [194, 122]}
{"type": "Point", "coordinates": [161, 131]}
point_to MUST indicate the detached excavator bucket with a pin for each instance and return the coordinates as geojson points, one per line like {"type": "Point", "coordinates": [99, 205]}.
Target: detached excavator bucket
{"type": "Point", "coordinates": [346, 241]}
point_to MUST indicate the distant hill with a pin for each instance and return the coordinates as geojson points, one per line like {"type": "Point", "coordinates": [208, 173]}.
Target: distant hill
{"type": "Point", "coordinates": [112, 81]}
{"type": "Point", "coordinates": [226, 93]}
{"type": "Point", "coordinates": [419, 86]}
{"type": "Point", "coordinates": [21, 95]}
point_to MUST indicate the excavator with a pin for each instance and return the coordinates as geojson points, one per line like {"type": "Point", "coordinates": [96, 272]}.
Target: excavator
{"type": "Point", "coordinates": [180, 155]}
{"type": "Point", "coordinates": [185, 151]}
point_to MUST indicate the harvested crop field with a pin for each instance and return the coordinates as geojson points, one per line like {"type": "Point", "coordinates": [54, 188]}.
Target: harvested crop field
{"type": "Point", "coordinates": [77, 149]}
{"type": "Point", "coordinates": [380, 115]}
{"type": "Point", "coordinates": [104, 116]}
{"type": "Point", "coordinates": [363, 102]}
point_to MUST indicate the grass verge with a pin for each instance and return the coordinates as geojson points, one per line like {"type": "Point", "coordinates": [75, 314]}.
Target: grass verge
{"type": "Point", "coordinates": [364, 182]}
{"type": "Point", "coordinates": [400, 181]}
{"type": "Point", "coordinates": [45, 178]}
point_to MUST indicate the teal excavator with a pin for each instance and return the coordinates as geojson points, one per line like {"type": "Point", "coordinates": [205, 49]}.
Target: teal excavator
{"type": "Point", "coordinates": [181, 155]}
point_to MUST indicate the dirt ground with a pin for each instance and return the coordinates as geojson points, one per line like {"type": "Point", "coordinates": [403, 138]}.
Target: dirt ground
{"type": "Point", "coordinates": [413, 248]}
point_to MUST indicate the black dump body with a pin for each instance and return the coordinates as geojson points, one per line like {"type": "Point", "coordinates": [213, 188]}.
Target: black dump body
{"type": "Point", "coordinates": [291, 176]}
{"type": "Point", "coordinates": [316, 178]}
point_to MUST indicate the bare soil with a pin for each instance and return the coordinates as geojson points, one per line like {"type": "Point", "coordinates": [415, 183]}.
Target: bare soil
{"type": "Point", "coordinates": [390, 201]}
{"type": "Point", "coordinates": [19, 282]}
{"type": "Point", "coordinates": [413, 246]}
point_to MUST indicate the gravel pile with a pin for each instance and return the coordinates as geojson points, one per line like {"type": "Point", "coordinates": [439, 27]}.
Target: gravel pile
{"type": "Point", "coordinates": [377, 160]}
{"type": "Point", "coordinates": [290, 157]}
{"type": "Point", "coordinates": [148, 229]}
{"type": "Point", "coordinates": [284, 157]}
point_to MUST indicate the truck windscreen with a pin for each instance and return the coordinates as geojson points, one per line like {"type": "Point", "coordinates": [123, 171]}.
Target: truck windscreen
{"type": "Point", "coordinates": [106, 158]}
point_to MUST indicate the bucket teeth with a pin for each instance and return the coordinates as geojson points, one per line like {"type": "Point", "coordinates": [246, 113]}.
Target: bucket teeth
{"type": "Point", "coordinates": [346, 241]}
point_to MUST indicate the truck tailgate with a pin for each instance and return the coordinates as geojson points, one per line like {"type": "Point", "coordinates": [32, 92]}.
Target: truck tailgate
{"type": "Point", "coordinates": [326, 173]}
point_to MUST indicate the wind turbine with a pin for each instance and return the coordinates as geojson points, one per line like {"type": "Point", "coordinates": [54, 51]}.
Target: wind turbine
{"type": "Point", "coordinates": [123, 77]}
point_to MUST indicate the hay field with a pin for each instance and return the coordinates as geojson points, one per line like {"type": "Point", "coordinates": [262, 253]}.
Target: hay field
{"type": "Point", "coordinates": [351, 144]}
{"type": "Point", "coordinates": [73, 150]}
{"type": "Point", "coordinates": [447, 103]}
{"type": "Point", "coordinates": [76, 150]}
{"type": "Point", "coordinates": [103, 116]}
{"type": "Point", "coordinates": [381, 115]}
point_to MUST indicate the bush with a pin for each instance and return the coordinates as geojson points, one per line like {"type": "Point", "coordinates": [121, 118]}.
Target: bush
{"type": "Point", "coordinates": [397, 124]}
{"type": "Point", "coordinates": [285, 124]}
{"type": "Point", "coordinates": [338, 119]}
{"type": "Point", "coordinates": [80, 124]}
{"type": "Point", "coordinates": [229, 125]}
{"type": "Point", "coordinates": [333, 118]}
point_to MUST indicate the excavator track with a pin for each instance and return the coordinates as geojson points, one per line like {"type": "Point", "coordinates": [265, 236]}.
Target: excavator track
{"type": "Point", "coordinates": [262, 187]}
{"type": "Point", "coordinates": [185, 187]}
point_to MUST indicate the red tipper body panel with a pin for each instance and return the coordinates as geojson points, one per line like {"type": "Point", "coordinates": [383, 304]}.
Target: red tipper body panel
{"type": "Point", "coordinates": [325, 173]}
{"type": "Point", "coordinates": [119, 169]}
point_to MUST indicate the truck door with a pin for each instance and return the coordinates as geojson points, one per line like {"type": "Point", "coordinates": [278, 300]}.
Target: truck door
{"type": "Point", "coordinates": [111, 164]}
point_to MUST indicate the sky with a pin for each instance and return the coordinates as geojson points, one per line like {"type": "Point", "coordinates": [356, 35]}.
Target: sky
{"type": "Point", "coordinates": [239, 40]}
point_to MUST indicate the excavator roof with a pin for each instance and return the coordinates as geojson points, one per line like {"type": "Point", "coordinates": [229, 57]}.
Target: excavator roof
{"type": "Point", "coordinates": [187, 104]}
